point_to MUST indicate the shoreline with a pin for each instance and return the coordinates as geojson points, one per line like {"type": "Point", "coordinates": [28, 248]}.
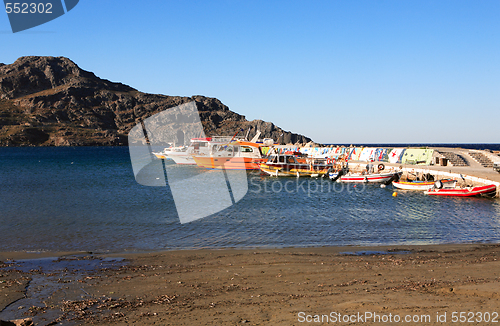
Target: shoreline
{"type": "Point", "coordinates": [9, 256]}
{"type": "Point", "coordinates": [268, 286]}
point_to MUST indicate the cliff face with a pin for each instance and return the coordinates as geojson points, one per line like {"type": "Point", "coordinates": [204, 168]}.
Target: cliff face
{"type": "Point", "coordinates": [47, 101]}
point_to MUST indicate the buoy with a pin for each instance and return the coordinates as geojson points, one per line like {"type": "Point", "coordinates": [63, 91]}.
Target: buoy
{"type": "Point", "coordinates": [394, 194]}
{"type": "Point", "coordinates": [382, 186]}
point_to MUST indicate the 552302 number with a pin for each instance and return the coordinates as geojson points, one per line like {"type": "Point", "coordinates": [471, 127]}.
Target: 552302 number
{"type": "Point", "coordinates": [28, 8]}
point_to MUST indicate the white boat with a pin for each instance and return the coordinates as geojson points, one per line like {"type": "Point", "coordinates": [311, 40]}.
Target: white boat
{"type": "Point", "coordinates": [423, 185]}
{"type": "Point", "coordinates": [370, 177]}
{"type": "Point", "coordinates": [198, 147]}
{"type": "Point", "coordinates": [168, 150]}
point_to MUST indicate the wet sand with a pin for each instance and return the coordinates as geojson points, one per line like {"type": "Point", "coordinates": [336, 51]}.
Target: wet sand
{"type": "Point", "coordinates": [277, 286]}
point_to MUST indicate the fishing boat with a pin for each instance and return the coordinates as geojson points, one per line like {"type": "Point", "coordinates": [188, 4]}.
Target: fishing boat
{"type": "Point", "coordinates": [377, 177]}
{"type": "Point", "coordinates": [290, 165]}
{"type": "Point", "coordinates": [369, 175]}
{"type": "Point", "coordinates": [423, 185]}
{"type": "Point", "coordinates": [235, 155]}
{"type": "Point", "coordinates": [487, 191]}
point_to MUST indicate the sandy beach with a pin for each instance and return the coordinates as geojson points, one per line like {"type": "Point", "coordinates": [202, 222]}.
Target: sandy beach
{"type": "Point", "coordinates": [294, 286]}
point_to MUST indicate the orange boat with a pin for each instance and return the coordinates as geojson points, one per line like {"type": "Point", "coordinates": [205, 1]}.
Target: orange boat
{"type": "Point", "coordinates": [235, 155]}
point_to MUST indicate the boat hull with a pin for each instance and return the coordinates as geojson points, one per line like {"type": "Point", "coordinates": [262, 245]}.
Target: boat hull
{"type": "Point", "coordinates": [488, 191]}
{"type": "Point", "coordinates": [422, 185]}
{"type": "Point", "coordinates": [333, 175]}
{"type": "Point", "coordinates": [183, 159]}
{"type": "Point", "coordinates": [298, 170]}
{"type": "Point", "coordinates": [161, 156]}
{"type": "Point", "coordinates": [370, 178]}
{"type": "Point", "coordinates": [228, 163]}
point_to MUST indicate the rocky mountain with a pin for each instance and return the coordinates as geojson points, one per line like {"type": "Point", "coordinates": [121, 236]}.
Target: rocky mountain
{"type": "Point", "coordinates": [49, 101]}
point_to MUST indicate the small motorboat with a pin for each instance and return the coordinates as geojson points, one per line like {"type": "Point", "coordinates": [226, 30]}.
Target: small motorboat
{"type": "Point", "coordinates": [487, 191]}
{"type": "Point", "coordinates": [370, 175]}
{"type": "Point", "coordinates": [423, 185]}
{"type": "Point", "coordinates": [164, 154]}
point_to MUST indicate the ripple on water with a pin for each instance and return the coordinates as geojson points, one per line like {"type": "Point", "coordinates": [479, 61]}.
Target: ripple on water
{"type": "Point", "coordinates": [96, 204]}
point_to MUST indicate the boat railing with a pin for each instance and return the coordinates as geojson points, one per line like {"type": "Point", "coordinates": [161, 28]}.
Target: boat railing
{"type": "Point", "coordinates": [223, 139]}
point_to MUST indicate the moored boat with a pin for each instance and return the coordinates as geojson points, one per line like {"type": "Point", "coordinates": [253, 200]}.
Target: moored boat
{"type": "Point", "coordinates": [488, 191]}
{"type": "Point", "coordinates": [235, 155]}
{"type": "Point", "coordinates": [370, 177]}
{"type": "Point", "coordinates": [168, 150]}
{"type": "Point", "coordinates": [290, 165]}
{"type": "Point", "coordinates": [199, 146]}
{"type": "Point", "coordinates": [423, 185]}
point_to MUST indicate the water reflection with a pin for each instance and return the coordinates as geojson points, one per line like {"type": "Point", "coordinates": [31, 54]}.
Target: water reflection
{"type": "Point", "coordinates": [88, 199]}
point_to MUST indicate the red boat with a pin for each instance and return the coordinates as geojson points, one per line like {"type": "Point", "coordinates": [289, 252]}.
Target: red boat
{"type": "Point", "coordinates": [489, 191]}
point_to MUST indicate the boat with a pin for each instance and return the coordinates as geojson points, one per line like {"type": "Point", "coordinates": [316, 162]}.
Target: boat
{"type": "Point", "coordinates": [235, 155]}
{"type": "Point", "coordinates": [292, 165]}
{"type": "Point", "coordinates": [199, 146]}
{"type": "Point", "coordinates": [377, 177]}
{"type": "Point", "coordinates": [370, 175]}
{"type": "Point", "coordinates": [423, 185]}
{"type": "Point", "coordinates": [471, 191]}
{"type": "Point", "coordinates": [167, 150]}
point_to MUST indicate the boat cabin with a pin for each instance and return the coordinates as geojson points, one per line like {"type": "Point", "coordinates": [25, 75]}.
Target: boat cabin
{"type": "Point", "coordinates": [282, 159]}
{"type": "Point", "coordinates": [236, 149]}
{"type": "Point", "coordinates": [496, 166]}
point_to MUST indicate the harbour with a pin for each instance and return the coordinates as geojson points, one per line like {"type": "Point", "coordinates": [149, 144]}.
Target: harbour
{"type": "Point", "coordinates": [470, 168]}
{"type": "Point", "coordinates": [256, 163]}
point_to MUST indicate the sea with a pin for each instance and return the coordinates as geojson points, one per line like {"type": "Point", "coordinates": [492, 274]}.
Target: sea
{"type": "Point", "coordinates": [87, 199]}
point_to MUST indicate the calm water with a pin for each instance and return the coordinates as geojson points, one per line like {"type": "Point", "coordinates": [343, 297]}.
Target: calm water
{"type": "Point", "coordinates": [86, 198]}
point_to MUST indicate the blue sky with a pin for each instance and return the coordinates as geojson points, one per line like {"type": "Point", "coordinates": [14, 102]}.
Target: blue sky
{"type": "Point", "coordinates": [336, 71]}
